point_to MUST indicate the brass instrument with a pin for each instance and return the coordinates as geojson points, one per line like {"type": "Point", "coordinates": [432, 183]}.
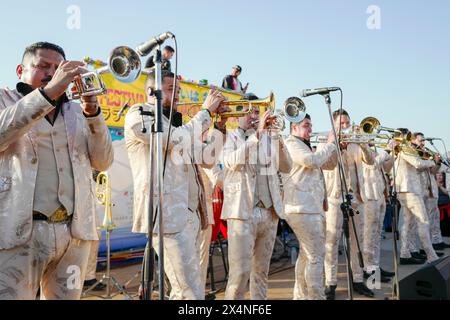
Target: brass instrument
{"type": "Point", "coordinates": [268, 102]}
{"type": "Point", "coordinates": [103, 191]}
{"type": "Point", "coordinates": [293, 111]}
{"type": "Point", "coordinates": [123, 63]}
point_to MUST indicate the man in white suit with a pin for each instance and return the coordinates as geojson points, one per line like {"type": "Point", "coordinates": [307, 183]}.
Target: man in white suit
{"type": "Point", "coordinates": [48, 147]}
{"type": "Point", "coordinates": [252, 203]}
{"type": "Point", "coordinates": [430, 196]}
{"type": "Point", "coordinates": [411, 196]}
{"type": "Point", "coordinates": [353, 155]}
{"type": "Point", "coordinates": [305, 203]}
{"type": "Point", "coordinates": [376, 190]}
{"type": "Point", "coordinates": [184, 207]}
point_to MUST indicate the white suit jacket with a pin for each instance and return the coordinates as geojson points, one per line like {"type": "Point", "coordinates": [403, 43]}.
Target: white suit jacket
{"type": "Point", "coordinates": [375, 184]}
{"type": "Point", "coordinates": [176, 183]}
{"type": "Point", "coordinates": [304, 185]}
{"type": "Point", "coordinates": [358, 155]}
{"type": "Point", "coordinates": [240, 173]}
{"type": "Point", "coordinates": [408, 173]}
{"type": "Point", "coordinates": [90, 147]}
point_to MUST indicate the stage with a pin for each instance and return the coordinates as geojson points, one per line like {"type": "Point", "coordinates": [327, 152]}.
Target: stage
{"type": "Point", "coordinates": [281, 277]}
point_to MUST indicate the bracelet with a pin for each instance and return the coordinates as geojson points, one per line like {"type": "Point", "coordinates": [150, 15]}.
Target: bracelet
{"type": "Point", "coordinates": [208, 112]}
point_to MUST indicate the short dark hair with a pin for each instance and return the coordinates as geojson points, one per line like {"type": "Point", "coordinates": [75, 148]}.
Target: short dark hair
{"type": "Point", "coordinates": [169, 48]}
{"type": "Point", "coordinates": [150, 82]}
{"type": "Point", "coordinates": [415, 134]}
{"type": "Point", "coordinates": [340, 112]}
{"type": "Point", "coordinates": [32, 49]}
{"type": "Point", "coordinates": [307, 116]}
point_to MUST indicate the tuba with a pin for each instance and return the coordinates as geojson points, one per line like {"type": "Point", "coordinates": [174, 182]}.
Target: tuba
{"type": "Point", "coordinates": [103, 191]}
{"type": "Point", "coordinates": [123, 63]}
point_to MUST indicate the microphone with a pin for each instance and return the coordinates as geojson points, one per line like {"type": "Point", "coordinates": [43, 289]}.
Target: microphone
{"type": "Point", "coordinates": [431, 139]}
{"type": "Point", "coordinates": [146, 47]}
{"type": "Point", "coordinates": [310, 92]}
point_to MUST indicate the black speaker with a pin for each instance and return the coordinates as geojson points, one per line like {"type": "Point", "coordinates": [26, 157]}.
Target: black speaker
{"type": "Point", "coordinates": [431, 282]}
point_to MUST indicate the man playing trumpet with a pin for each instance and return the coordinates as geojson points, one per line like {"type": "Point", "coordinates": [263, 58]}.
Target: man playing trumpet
{"type": "Point", "coordinates": [252, 157]}
{"type": "Point", "coordinates": [48, 146]}
{"type": "Point", "coordinates": [183, 208]}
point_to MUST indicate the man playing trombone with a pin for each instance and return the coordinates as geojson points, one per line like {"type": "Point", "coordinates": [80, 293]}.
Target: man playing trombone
{"type": "Point", "coordinates": [305, 203]}
{"type": "Point", "coordinates": [252, 202]}
{"type": "Point", "coordinates": [376, 190]}
{"type": "Point", "coordinates": [411, 196]}
{"type": "Point", "coordinates": [430, 198]}
{"type": "Point", "coordinates": [184, 208]}
{"type": "Point", "coordinates": [353, 155]}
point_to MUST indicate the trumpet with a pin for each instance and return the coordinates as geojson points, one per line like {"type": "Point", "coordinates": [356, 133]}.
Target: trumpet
{"type": "Point", "coordinates": [123, 63]}
{"type": "Point", "coordinates": [268, 102]}
{"type": "Point", "coordinates": [294, 110]}
{"type": "Point", "coordinates": [103, 191]}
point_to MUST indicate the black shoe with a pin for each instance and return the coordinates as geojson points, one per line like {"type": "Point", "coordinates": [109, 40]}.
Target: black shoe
{"type": "Point", "coordinates": [383, 279]}
{"type": "Point", "coordinates": [362, 289]}
{"type": "Point", "coordinates": [439, 254]}
{"type": "Point", "coordinates": [387, 273]}
{"type": "Point", "coordinates": [330, 292]}
{"type": "Point", "coordinates": [210, 296]}
{"type": "Point", "coordinates": [419, 255]}
{"type": "Point", "coordinates": [411, 261]}
{"type": "Point", "coordinates": [441, 246]}
{"type": "Point", "coordinates": [89, 283]}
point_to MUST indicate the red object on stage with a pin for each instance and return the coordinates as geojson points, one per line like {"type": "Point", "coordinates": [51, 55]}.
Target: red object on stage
{"type": "Point", "coordinates": [219, 225]}
{"type": "Point", "coordinates": [444, 210]}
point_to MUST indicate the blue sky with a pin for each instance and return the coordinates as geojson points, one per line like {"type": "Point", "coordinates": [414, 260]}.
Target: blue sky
{"type": "Point", "coordinates": [399, 73]}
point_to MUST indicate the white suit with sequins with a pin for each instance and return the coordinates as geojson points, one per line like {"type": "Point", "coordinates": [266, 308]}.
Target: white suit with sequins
{"type": "Point", "coordinates": [181, 225]}
{"type": "Point", "coordinates": [410, 194]}
{"type": "Point", "coordinates": [376, 190]}
{"type": "Point", "coordinates": [36, 253]}
{"type": "Point", "coordinates": [304, 202]}
{"type": "Point", "coordinates": [251, 229]}
{"type": "Point", "coordinates": [353, 158]}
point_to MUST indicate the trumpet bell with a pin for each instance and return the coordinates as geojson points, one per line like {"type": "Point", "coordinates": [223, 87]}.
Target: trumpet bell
{"type": "Point", "coordinates": [294, 110]}
{"type": "Point", "coordinates": [125, 64]}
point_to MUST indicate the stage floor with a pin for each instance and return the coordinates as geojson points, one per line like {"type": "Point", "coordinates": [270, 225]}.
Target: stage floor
{"type": "Point", "coordinates": [281, 278]}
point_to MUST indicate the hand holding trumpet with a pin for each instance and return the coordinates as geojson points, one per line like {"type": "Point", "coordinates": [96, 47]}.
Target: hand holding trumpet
{"type": "Point", "coordinates": [214, 104]}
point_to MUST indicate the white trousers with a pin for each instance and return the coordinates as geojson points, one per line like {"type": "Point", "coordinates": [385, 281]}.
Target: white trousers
{"type": "Point", "coordinates": [91, 270]}
{"type": "Point", "coordinates": [374, 211]}
{"type": "Point", "coordinates": [182, 261]}
{"type": "Point", "coordinates": [415, 212]}
{"type": "Point", "coordinates": [309, 277]}
{"type": "Point", "coordinates": [435, 219]}
{"type": "Point", "coordinates": [205, 241]}
{"type": "Point", "coordinates": [334, 220]}
{"type": "Point", "coordinates": [51, 260]}
{"type": "Point", "coordinates": [431, 205]}
{"type": "Point", "coordinates": [250, 247]}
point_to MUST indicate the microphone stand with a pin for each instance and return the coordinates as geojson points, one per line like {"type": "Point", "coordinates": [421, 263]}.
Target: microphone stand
{"type": "Point", "coordinates": [393, 202]}
{"type": "Point", "coordinates": [444, 161]}
{"type": "Point", "coordinates": [346, 206]}
{"type": "Point", "coordinates": [155, 140]}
